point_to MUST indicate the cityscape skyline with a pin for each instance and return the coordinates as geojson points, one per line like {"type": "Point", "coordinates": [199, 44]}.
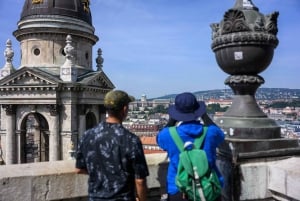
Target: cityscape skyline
{"type": "Point", "coordinates": [158, 47]}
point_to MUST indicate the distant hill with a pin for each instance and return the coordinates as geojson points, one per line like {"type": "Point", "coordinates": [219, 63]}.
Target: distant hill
{"type": "Point", "coordinates": [261, 94]}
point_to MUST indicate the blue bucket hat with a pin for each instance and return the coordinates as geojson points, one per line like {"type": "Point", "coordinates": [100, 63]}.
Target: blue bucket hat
{"type": "Point", "coordinates": [186, 107]}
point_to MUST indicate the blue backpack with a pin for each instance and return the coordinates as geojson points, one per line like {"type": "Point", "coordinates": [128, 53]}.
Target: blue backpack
{"type": "Point", "coordinates": [194, 178]}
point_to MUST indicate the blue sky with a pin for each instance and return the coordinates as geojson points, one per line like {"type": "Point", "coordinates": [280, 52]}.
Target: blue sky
{"type": "Point", "coordinates": [159, 47]}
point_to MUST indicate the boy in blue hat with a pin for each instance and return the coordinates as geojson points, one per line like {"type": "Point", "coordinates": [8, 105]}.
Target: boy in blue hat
{"type": "Point", "coordinates": [187, 112]}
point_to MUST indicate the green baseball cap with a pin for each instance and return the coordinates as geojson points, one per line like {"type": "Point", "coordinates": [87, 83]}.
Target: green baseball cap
{"type": "Point", "coordinates": [117, 99]}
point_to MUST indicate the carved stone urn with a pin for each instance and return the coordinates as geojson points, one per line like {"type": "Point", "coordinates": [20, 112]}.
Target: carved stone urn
{"type": "Point", "coordinates": [244, 43]}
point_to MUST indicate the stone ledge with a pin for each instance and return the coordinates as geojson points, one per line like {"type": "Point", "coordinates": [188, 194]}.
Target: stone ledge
{"type": "Point", "coordinates": [269, 179]}
{"type": "Point", "coordinates": [285, 179]}
{"type": "Point", "coordinates": [58, 181]}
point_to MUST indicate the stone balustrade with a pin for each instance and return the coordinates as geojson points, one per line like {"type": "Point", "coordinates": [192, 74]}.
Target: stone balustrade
{"type": "Point", "coordinates": [265, 180]}
{"type": "Point", "coordinates": [58, 181]}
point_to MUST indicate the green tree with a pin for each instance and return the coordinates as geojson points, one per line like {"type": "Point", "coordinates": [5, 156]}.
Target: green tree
{"type": "Point", "coordinates": [283, 104]}
{"type": "Point", "coordinates": [159, 109]}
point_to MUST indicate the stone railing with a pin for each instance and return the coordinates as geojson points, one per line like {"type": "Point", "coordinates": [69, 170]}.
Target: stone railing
{"type": "Point", "coordinates": [277, 180]}
{"type": "Point", "coordinates": [284, 182]}
{"type": "Point", "coordinates": [58, 181]}
{"type": "Point", "coordinates": [270, 180]}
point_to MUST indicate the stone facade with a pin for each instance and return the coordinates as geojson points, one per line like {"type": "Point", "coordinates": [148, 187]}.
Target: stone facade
{"type": "Point", "coordinates": [55, 94]}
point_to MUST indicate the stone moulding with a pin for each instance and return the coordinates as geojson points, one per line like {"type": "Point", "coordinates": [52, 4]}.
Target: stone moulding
{"type": "Point", "coordinates": [234, 21]}
{"type": "Point", "coordinates": [239, 27]}
{"type": "Point", "coordinates": [236, 79]}
{"type": "Point", "coordinates": [244, 38]}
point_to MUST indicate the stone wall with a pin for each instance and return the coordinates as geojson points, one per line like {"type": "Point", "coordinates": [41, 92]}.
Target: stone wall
{"type": "Point", "coordinates": [284, 182]}
{"type": "Point", "coordinates": [58, 181]}
{"type": "Point", "coordinates": [264, 180]}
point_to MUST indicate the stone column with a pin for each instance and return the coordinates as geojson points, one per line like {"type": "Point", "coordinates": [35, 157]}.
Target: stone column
{"type": "Point", "coordinates": [54, 145]}
{"type": "Point", "coordinates": [82, 121]}
{"type": "Point", "coordinates": [102, 113]}
{"type": "Point", "coordinates": [10, 134]}
{"type": "Point", "coordinates": [19, 146]}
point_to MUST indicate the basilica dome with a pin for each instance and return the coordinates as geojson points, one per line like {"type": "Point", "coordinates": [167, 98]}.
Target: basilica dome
{"type": "Point", "coordinates": [78, 9]}
{"type": "Point", "coordinates": [44, 26]}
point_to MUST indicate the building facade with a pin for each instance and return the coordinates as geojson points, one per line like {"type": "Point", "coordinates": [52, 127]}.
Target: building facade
{"type": "Point", "coordinates": [54, 95]}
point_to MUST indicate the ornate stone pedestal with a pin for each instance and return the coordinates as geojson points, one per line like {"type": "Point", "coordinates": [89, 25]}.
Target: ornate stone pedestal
{"type": "Point", "coordinates": [244, 43]}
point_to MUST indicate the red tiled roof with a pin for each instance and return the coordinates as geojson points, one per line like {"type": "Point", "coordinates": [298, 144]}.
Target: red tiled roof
{"type": "Point", "coordinates": [148, 140]}
{"type": "Point", "coordinates": [153, 151]}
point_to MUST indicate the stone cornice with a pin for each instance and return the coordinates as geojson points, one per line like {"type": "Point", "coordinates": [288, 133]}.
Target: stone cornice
{"type": "Point", "coordinates": [58, 88]}
{"type": "Point", "coordinates": [99, 79]}
{"type": "Point", "coordinates": [244, 38]}
{"type": "Point", "coordinates": [25, 33]}
{"type": "Point", "coordinates": [28, 88]}
{"type": "Point", "coordinates": [55, 21]}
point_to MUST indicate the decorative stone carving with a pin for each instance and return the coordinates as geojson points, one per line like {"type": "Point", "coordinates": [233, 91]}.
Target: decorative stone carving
{"type": "Point", "coordinates": [29, 76]}
{"type": "Point", "coordinates": [271, 23]}
{"type": "Point", "coordinates": [99, 80]}
{"type": "Point", "coordinates": [53, 109]}
{"type": "Point", "coordinates": [68, 72]}
{"type": "Point", "coordinates": [99, 60]}
{"type": "Point", "coordinates": [86, 5]}
{"type": "Point", "coordinates": [244, 79]}
{"type": "Point", "coordinates": [244, 43]}
{"type": "Point", "coordinates": [235, 29]}
{"type": "Point", "coordinates": [253, 33]}
{"type": "Point", "coordinates": [234, 21]}
{"type": "Point", "coordinates": [70, 52]}
{"type": "Point", "coordinates": [9, 109]}
{"type": "Point", "coordinates": [37, 1]}
{"type": "Point", "coordinates": [8, 54]}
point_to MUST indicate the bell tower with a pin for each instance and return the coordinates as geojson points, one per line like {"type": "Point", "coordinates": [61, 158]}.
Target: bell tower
{"type": "Point", "coordinates": [54, 95]}
{"type": "Point", "coordinates": [42, 31]}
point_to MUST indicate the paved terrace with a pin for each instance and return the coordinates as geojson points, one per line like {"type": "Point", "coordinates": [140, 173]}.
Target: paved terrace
{"type": "Point", "coordinates": [57, 181]}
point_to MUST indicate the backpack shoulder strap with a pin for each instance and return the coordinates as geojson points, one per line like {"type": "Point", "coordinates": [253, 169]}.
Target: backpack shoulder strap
{"type": "Point", "coordinates": [178, 141]}
{"type": "Point", "coordinates": [199, 140]}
